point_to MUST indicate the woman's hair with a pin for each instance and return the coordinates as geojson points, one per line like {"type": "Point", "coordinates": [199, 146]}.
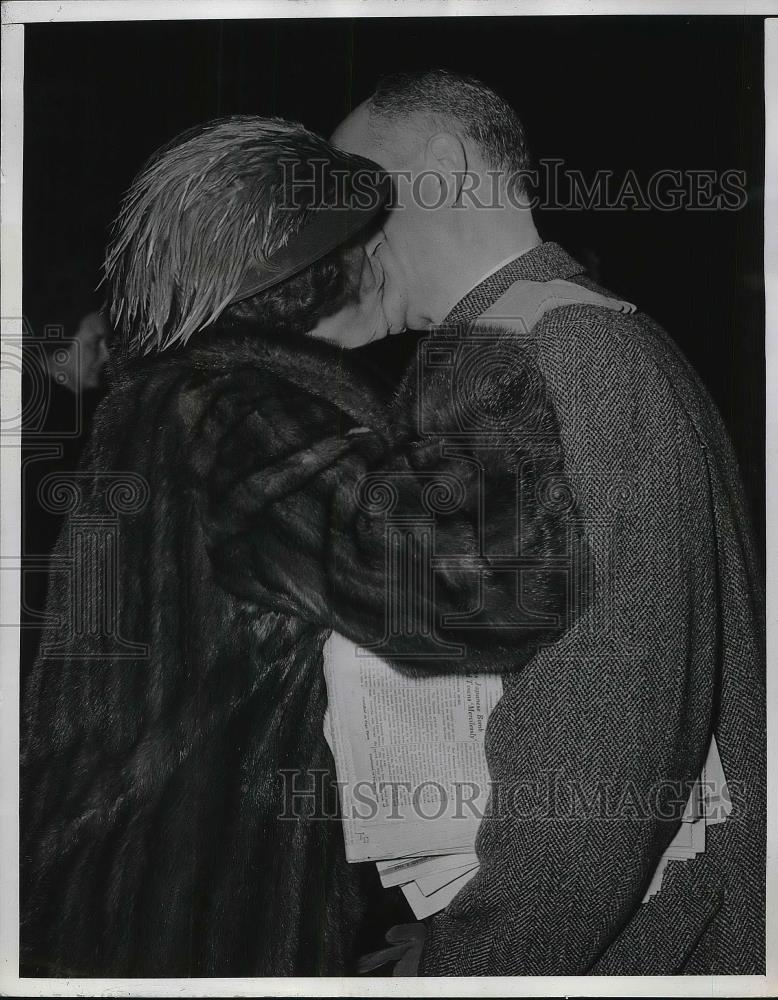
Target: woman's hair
{"type": "Point", "coordinates": [296, 305]}
{"type": "Point", "coordinates": [206, 210]}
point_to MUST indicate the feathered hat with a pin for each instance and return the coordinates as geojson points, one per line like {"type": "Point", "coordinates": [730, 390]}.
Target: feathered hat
{"type": "Point", "coordinates": [224, 212]}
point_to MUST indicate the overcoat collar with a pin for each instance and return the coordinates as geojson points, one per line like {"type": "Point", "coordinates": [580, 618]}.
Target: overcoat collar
{"type": "Point", "coordinates": [543, 263]}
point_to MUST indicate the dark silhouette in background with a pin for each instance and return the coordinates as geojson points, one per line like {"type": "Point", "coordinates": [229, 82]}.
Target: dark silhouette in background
{"type": "Point", "coordinates": [62, 384]}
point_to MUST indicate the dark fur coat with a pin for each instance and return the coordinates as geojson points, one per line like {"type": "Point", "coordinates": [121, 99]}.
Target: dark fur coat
{"type": "Point", "coordinates": [151, 837]}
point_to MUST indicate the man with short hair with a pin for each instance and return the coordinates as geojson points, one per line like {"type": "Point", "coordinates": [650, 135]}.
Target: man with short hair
{"type": "Point", "coordinates": [598, 740]}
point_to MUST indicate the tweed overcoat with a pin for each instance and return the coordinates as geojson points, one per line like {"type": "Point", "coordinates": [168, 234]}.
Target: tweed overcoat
{"type": "Point", "coordinates": [594, 738]}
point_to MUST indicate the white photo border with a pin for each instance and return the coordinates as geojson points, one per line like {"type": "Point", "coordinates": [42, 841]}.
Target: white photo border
{"type": "Point", "coordinates": [14, 16]}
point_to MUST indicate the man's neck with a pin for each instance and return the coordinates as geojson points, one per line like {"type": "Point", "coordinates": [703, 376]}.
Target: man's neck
{"type": "Point", "coordinates": [484, 255]}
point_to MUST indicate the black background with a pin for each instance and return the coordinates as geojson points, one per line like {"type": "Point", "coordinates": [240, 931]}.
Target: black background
{"type": "Point", "coordinates": [601, 93]}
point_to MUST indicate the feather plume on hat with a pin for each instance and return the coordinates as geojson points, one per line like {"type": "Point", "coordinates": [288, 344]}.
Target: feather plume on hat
{"type": "Point", "coordinates": [209, 209]}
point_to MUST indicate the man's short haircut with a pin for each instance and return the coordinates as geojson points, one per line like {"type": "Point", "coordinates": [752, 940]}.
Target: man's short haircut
{"type": "Point", "coordinates": [457, 103]}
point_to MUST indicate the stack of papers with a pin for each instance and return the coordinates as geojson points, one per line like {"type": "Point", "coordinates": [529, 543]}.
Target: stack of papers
{"type": "Point", "coordinates": [429, 884]}
{"type": "Point", "coordinates": [414, 782]}
{"type": "Point", "coordinates": [709, 803]}
{"type": "Point", "coordinates": [411, 768]}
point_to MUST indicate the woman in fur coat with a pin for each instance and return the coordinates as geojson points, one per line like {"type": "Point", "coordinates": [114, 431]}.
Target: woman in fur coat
{"type": "Point", "coordinates": [216, 532]}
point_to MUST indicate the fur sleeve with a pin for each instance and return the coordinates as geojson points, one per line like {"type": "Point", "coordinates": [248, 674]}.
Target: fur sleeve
{"type": "Point", "coordinates": [439, 550]}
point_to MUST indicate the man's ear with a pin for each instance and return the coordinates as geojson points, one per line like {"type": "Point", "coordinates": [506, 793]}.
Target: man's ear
{"type": "Point", "coordinates": [445, 155]}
